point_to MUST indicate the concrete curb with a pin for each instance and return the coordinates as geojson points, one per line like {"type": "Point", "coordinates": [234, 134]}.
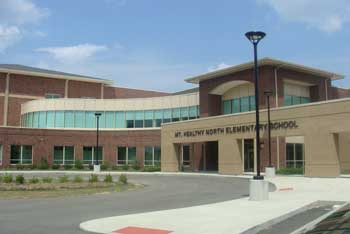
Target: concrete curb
{"type": "Point", "coordinates": [311, 224]}
{"type": "Point", "coordinates": [279, 219]}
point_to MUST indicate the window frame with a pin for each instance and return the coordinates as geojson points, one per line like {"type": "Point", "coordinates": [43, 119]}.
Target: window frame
{"type": "Point", "coordinates": [127, 161]}
{"type": "Point", "coordinates": [64, 155]}
{"type": "Point", "coordinates": [21, 155]}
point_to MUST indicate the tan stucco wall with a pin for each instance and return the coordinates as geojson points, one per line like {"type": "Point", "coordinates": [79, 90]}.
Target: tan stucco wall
{"type": "Point", "coordinates": [319, 123]}
{"type": "Point", "coordinates": [344, 152]}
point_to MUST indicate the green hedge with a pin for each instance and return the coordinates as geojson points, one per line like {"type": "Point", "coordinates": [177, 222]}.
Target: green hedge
{"type": "Point", "coordinates": [290, 171]}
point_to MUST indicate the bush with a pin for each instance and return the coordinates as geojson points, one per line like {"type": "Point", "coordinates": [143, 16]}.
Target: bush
{"type": "Point", "coordinates": [290, 171]}
{"type": "Point", "coordinates": [55, 166]}
{"type": "Point", "coordinates": [151, 168]}
{"type": "Point", "coordinates": [79, 164]}
{"type": "Point", "coordinates": [93, 178]}
{"type": "Point", "coordinates": [31, 167]}
{"type": "Point", "coordinates": [63, 179]}
{"type": "Point", "coordinates": [43, 164]}
{"type": "Point", "coordinates": [67, 167]}
{"type": "Point", "coordinates": [33, 180]}
{"type": "Point", "coordinates": [91, 166]}
{"type": "Point", "coordinates": [20, 167]}
{"type": "Point", "coordinates": [125, 167]}
{"type": "Point", "coordinates": [105, 166]}
{"type": "Point", "coordinates": [78, 179]}
{"type": "Point", "coordinates": [108, 179]}
{"type": "Point", "coordinates": [20, 179]}
{"type": "Point", "coordinates": [117, 168]}
{"type": "Point", "coordinates": [1, 179]}
{"type": "Point", "coordinates": [136, 165]}
{"type": "Point", "coordinates": [123, 179]}
{"type": "Point", "coordinates": [47, 180]}
{"type": "Point", "coordinates": [7, 179]}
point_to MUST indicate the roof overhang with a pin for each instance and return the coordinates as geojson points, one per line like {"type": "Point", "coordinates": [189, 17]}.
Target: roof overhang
{"type": "Point", "coordinates": [56, 76]}
{"type": "Point", "coordinates": [264, 62]}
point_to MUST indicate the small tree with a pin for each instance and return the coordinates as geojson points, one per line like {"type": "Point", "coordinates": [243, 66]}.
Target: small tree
{"type": "Point", "coordinates": [43, 164]}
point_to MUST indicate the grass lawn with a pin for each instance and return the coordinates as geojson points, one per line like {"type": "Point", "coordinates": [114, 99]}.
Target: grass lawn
{"type": "Point", "coordinates": [53, 191]}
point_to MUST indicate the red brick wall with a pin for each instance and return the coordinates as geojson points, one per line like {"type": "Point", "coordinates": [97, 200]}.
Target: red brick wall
{"type": "Point", "coordinates": [78, 89]}
{"type": "Point", "coordinates": [14, 111]}
{"type": "Point", "coordinates": [43, 141]}
{"type": "Point", "coordinates": [117, 92]}
{"type": "Point", "coordinates": [1, 110]}
{"type": "Point", "coordinates": [2, 82]}
{"type": "Point", "coordinates": [35, 86]}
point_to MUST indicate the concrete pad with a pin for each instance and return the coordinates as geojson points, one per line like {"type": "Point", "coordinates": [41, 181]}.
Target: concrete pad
{"type": "Point", "coordinates": [233, 216]}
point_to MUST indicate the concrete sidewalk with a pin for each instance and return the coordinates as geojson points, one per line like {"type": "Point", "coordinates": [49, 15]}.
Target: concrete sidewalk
{"type": "Point", "coordinates": [233, 216]}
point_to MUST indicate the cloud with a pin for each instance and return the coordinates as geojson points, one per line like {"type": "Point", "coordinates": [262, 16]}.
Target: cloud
{"type": "Point", "coordinates": [218, 67]}
{"type": "Point", "coordinates": [9, 36]}
{"type": "Point", "coordinates": [73, 54]}
{"type": "Point", "coordinates": [19, 12]}
{"type": "Point", "coordinates": [325, 15]}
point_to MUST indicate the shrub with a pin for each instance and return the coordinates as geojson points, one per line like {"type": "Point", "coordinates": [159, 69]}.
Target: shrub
{"type": "Point", "coordinates": [33, 180]}
{"type": "Point", "coordinates": [93, 178]}
{"type": "Point", "coordinates": [136, 165]}
{"type": "Point", "coordinates": [63, 179]}
{"type": "Point", "coordinates": [78, 179]}
{"type": "Point", "coordinates": [78, 164]}
{"type": "Point", "coordinates": [20, 179]}
{"type": "Point", "coordinates": [67, 167]}
{"type": "Point", "coordinates": [32, 167]}
{"type": "Point", "coordinates": [20, 167]}
{"type": "Point", "coordinates": [91, 166]}
{"type": "Point", "coordinates": [7, 179]}
{"type": "Point", "coordinates": [151, 168]}
{"type": "Point", "coordinates": [108, 179]}
{"type": "Point", "coordinates": [47, 180]}
{"type": "Point", "coordinates": [43, 164]}
{"type": "Point", "coordinates": [290, 171]}
{"type": "Point", "coordinates": [55, 166]}
{"type": "Point", "coordinates": [123, 179]}
{"type": "Point", "coordinates": [105, 166]}
{"type": "Point", "coordinates": [125, 167]}
{"type": "Point", "coordinates": [1, 179]}
{"type": "Point", "coordinates": [117, 168]}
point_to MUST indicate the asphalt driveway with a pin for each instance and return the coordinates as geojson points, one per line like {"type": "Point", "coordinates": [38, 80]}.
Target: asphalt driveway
{"type": "Point", "coordinates": [64, 214]}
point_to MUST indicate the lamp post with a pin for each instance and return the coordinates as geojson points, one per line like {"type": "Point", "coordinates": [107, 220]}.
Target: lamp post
{"type": "Point", "coordinates": [254, 37]}
{"type": "Point", "coordinates": [97, 166]}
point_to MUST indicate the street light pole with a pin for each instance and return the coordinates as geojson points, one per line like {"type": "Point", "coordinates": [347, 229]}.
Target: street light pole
{"type": "Point", "coordinates": [254, 38]}
{"type": "Point", "coordinates": [97, 167]}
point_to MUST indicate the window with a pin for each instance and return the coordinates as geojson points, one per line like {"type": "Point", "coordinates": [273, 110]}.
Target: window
{"type": "Point", "coordinates": [148, 119]}
{"type": "Point", "coordinates": [158, 118]}
{"type": "Point", "coordinates": [120, 119]}
{"type": "Point", "coordinates": [126, 155]}
{"type": "Point", "coordinates": [52, 95]}
{"type": "Point", "coordinates": [90, 119]}
{"type": "Point", "coordinates": [295, 155]}
{"type": "Point", "coordinates": [237, 105]}
{"type": "Point", "coordinates": [152, 156]}
{"type": "Point", "coordinates": [227, 107]}
{"type": "Point", "coordinates": [130, 117]}
{"type": "Point", "coordinates": [50, 119]}
{"type": "Point", "coordinates": [21, 154]}
{"type": "Point", "coordinates": [69, 119]}
{"type": "Point", "coordinates": [110, 122]}
{"type": "Point", "coordinates": [59, 119]}
{"type": "Point", "coordinates": [167, 116]}
{"type": "Point", "coordinates": [89, 154]}
{"type": "Point", "coordinates": [184, 113]}
{"type": "Point", "coordinates": [79, 119]}
{"type": "Point", "coordinates": [139, 119]}
{"type": "Point", "coordinates": [295, 100]}
{"type": "Point", "coordinates": [42, 119]}
{"type": "Point", "coordinates": [193, 112]}
{"type": "Point", "coordinates": [35, 119]}
{"type": "Point", "coordinates": [0, 154]}
{"type": "Point", "coordinates": [176, 114]}
{"type": "Point", "coordinates": [63, 155]}
{"type": "Point", "coordinates": [186, 155]}
{"type": "Point", "coordinates": [102, 119]}
{"type": "Point", "coordinates": [30, 120]}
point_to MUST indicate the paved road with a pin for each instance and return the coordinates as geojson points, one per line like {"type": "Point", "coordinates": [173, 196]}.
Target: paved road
{"type": "Point", "coordinates": [63, 215]}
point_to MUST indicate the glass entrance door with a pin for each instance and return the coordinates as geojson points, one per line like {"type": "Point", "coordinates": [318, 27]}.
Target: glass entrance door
{"type": "Point", "coordinates": [248, 145]}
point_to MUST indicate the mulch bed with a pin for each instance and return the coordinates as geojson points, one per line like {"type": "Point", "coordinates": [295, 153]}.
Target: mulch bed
{"type": "Point", "coordinates": [53, 186]}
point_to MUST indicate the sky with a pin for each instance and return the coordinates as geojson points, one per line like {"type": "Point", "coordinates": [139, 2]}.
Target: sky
{"type": "Point", "coordinates": [156, 44]}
